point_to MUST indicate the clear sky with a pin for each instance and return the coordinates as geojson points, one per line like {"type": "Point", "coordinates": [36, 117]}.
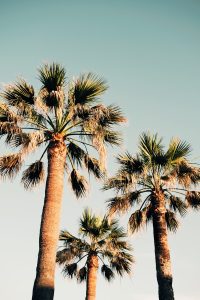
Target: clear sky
{"type": "Point", "coordinates": [149, 52]}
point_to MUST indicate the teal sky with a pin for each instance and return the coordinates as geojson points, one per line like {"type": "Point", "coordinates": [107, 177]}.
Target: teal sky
{"type": "Point", "coordinates": [149, 52]}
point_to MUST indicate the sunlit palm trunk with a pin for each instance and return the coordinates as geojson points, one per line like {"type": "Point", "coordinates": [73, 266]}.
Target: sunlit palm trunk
{"type": "Point", "coordinates": [92, 277]}
{"type": "Point", "coordinates": [162, 254]}
{"type": "Point", "coordinates": [49, 231]}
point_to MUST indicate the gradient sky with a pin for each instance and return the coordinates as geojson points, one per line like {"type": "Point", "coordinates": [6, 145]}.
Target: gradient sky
{"type": "Point", "coordinates": [149, 52]}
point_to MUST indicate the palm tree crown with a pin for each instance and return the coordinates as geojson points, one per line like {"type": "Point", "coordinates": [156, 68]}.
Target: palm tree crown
{"type": "Point", "coordinates": [99, 237]}
{"type": "Point", "coordinates": [63, 112]}
{"type": "Point", "coordinates": [150, 171]}
{"type": "Point", "coordinates": [160, 182]}
{"type": "Point", "coordinates": [66, 119]}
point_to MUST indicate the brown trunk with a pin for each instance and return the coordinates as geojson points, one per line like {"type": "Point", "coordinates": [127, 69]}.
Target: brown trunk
{"type": "Point", "coordinates": [49, 230]}
{"type": "Point", "coordinates": [162, 254]}
{"type": "Point", "coordinates": [92, 265]}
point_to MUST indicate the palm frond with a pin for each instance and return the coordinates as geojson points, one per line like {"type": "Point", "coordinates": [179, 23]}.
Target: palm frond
{"type": "Point", "coordinates": [171, 221]}
{"type": "Point", "coordinates": [90, 225]}
{"type": "Point", "coordinates": [53, 79]}
{"type": "Point", "coordinates": [82, 274]}
{"type": "Point", "coordinates": [107, 272]}
{"type": "Point", "coordinates": [78, 183]}
{"type": "Point", "coordinates": [123, 203]}
{"type": "Point", "coordinates": [19, 93]}
{"type": "Point", "coordinates": [107, 116]}
{"type": "Point", "coordinates": [7, 115]}
{"type": "Point", "coordinates": [64, 256]}
{"type": "Point", "coordinates": [93, 166]}
{"type": "Point", "coordinates": [121, 182]}
{"type": "Point", "coordinates": [121, 265]}
{"type": "Point", "coordinates": [33, 175]}
{"type": "Point", "coordinates": [150, 146]}
{"type": "Point", "coordinates": [76, 153]}
{"type": "Point", "coordinates": [186, 174]}
{"type": "Point", "coordinates": [112, 138]}
{"type": "Point", "coordinates": [130, 164]}
{"type": "Point", "coordinates": [9, 129]}
{"type": "Point", "coordinates": [193, 199]}
{"type": "Point", "coordinates": [70, 270]}
{"type": "Point", "coordinates": [177, 150]}
{"type": "Point", "coordinates": [87, 88]}
{"type": "Point", "coordinates": [177, 204]}
{"type": "Point", "coordinates": [137, 220]}
{"type": "Point", "coordinates": [10, 165]}
{"type": "Point", "coordinates": [52, 76]}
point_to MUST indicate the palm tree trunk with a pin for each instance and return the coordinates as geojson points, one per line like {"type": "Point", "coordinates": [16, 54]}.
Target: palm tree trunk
{"type": "Point", "coordinates": [92, 265]}
{"type": "Point", "coordinates": [49, 230]}
{"type": "Point", "coordinates": [162, 253]}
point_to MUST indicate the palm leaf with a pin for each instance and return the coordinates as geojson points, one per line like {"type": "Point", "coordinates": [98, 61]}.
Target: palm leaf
{"type": "Point", "coordinates": [9, 128]}
{"type": "Point", "coordinates": [193, 199]}
{"type": "Point", "coordinates": [33, 175]}
{"type": "Point", "coordinates": [131, 164]}
{"type": "Point", "coordinates": [53, 79]}
{"type": "Point", "coordinates": [177, 150]}
{"type": "Point", "coordinates": [52, 76]}
{"type": "Point", "coordinates": [107, 116]}
{"type": "Point", "coordinates": [122, 203]}
{"type": "Point", "coordinates": [87, 88]}
{"type": "Point", "coordinates": [78, 183]}
{"type": "Point", "coordinates": [186, 174]}
{"type": "Point", "coordinates": [64, 256]}
{"type": "Point", "coordinates": [137, 220]}
{"type": "Point", "coordinates": [120, 183]}
{"type": "Point", "coordinates": [107, 272]}
{"type": "Point", "coordinates": [121, 264]}
{"type": "Point", "coordinates": [171, 221]}
{"type": "Point", "coordinates": [70, 270]}
{"type": "Point", "coordinates": [10, 165]}
{"type": "Point", "coordinates": [177, 205]}
{"type": "Point", "coordinates": [20, 93]}
{"type": "Point", "coordinates": [112, 137]}
{"type": "Point", "coordinates": [93, 166]}
{"type": "Point", "coordinates": [76, 153]}
{"type": "Point", "coordinates": [82, 274]}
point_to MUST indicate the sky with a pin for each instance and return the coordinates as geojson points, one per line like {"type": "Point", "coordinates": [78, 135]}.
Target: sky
{"type": "Point", "coordinates": [148, 51]}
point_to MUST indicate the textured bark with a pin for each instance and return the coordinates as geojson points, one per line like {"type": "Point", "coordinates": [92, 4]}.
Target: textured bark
{"type": "Point", "coordinates": [162, 253]}
{"type": "Point", "coordinates": [49, 231]}
{"type": "Point", "coordinates": [92, 265]}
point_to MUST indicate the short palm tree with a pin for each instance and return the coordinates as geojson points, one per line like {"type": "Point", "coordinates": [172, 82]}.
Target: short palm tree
{"type": "Point", "coordinates": [160, 183]}
{"type": "Point", "coordinates": [64, 119]}
{"type": "Point", "coordinates": [99, 241]}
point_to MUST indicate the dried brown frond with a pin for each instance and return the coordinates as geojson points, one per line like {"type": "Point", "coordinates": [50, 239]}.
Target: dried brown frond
{"type": "Point", "coordinates": [10, 164]}
{"type": "Point", "coordinates": [93, 166]}
{"type": "Point", "coordinates": [193, 199]}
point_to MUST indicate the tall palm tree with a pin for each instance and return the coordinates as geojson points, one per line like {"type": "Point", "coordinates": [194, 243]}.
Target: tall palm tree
{"type": "Point", "coordinates": [66, 119]}
{"type": "Point", "coordinates": [99, 241]}
{"type": "Point", "coordinates": [160, 183]}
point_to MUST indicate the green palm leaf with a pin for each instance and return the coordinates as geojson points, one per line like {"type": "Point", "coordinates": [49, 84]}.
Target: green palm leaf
{"type": "Point", "coordinates": [87, 89]}
{"type": "Point", "coordinates": [19, 94]}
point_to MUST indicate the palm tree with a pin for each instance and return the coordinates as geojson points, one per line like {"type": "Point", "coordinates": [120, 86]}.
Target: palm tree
{"type": "Point", "coordinates": [160, 183]}
{"type": "Point", "coordinates": [99, 240]}
{"type": "Point", "coordinates": [64, 119]}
